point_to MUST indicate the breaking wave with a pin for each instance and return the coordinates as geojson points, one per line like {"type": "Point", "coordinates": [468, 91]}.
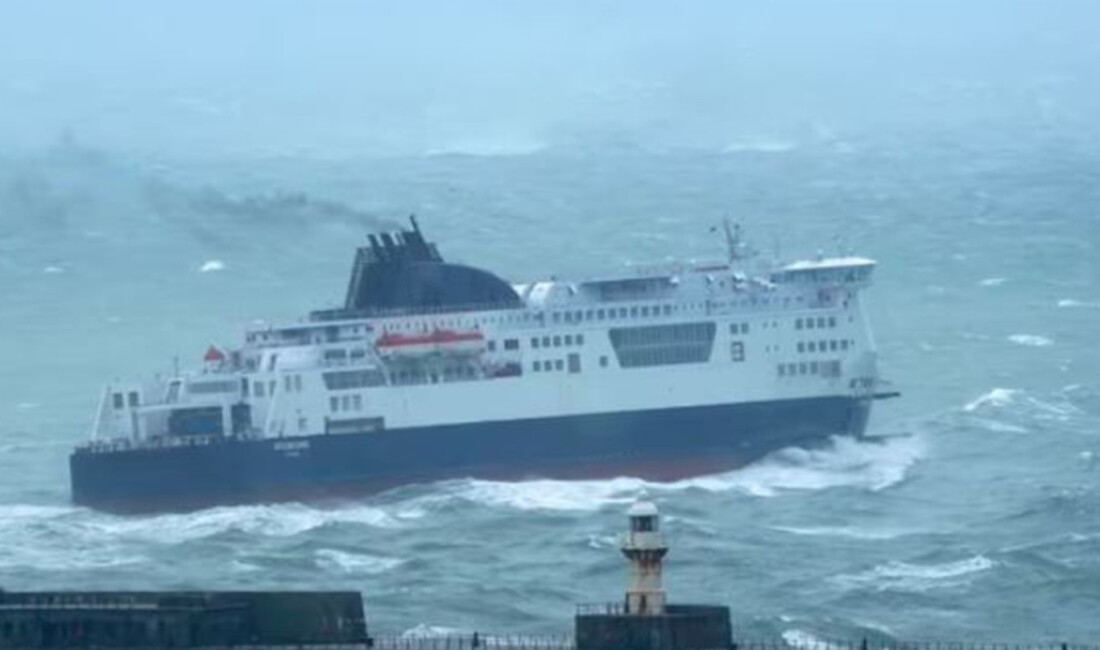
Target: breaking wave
{"type": "Point", "coordinates": [355, 563]}
{"type": "Point", "coordinates": [902, 576]}
{"type": "Point", "coordinates": [1069, 302]}
{"type": "Point", "coordinates": [760, 145]}
{"type": "Point", "coordinates": [994, 398]}
{"type": "Point", "coordinates": [846, 462]}
{"type": "Point", "coordinates": [1032, 340]}
{"type": "Point", "coordinates": [869, 465]}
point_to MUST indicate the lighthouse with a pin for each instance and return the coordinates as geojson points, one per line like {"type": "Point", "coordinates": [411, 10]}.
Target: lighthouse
{"type": "Point", "coordinates": [644, 546]}
{"type": "Point", "coordinates": [646, 621]}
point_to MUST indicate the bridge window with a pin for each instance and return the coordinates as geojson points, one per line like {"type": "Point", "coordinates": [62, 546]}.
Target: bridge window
{"type": "Point", "coordinates": [535, 342]}
{"type": "Point", "coordinates": [737, 351]}
{"type": "Point", "coordinates": [511, 344]}
{"type": "Point", "coordinates": [118, 400]}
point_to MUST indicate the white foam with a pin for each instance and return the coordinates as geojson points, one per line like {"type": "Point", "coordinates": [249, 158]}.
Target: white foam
{"type": "Point", "coordinates": [902, 576]}
{"type": "Point", "coordinates": [801, 639]}
{"type": "Point", "coordinates": [53, 270]}
{"type": "Point", "coordinates": [847, 462]}
{"type": "Point", "coordinates": [850, 532]}
{"type": "Point", "coordinates": [996, 398]}
{"type": "Point", "coordinates": [992, 282]}
{"type": "Point", "coordinates": [359, 563]}
{"type": "Point", "coordinates": [284, 520]}
{"type": "Point", "coordinates": [1069, 302]}
{"type": "Point", "coordinates": [425, 630]}
{"type": "Point", "coordinates": [489, 148]}
{"type": "Point", "coordinates": [1032, 340]}
{"type": "Point", "coordinates": [212, 266]}
{"type": "Point", "coordinates": [760, 145]}
{"type": "Point", "coordinates": [585, 496]}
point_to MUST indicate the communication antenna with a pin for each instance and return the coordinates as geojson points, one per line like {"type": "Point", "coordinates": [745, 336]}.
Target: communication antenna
{"type": "Point", "coordinates": [736, 248]}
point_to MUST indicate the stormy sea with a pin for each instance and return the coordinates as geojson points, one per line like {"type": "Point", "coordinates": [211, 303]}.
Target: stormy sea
{"type": "Point", "coordinates": [972, 514]}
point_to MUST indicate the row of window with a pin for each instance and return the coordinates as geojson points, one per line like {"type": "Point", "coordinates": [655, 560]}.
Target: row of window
{"type": "Point", "coordinates": [557, 341]}
{"type": "Point", "coordinates": [823, 368]}
{"type": "Point", "coordinates": [610, 313]}
{"type": "Point", "coordinates": [739, 328]}
{"type": "Point", "coordinates": [347, 379]}
{"type": "Point", "coordinates": [825, 346]}
{"type": "Point", "coordinates": [548, 365]}
{"type": "Point", "coordinates": [352, 402]}
{"type": "Point", "coordinates": [820, 322]}
{"type": "Point", "coordinates": [118, 401]}
{"type": "Point", "coordinates": [572, 363]}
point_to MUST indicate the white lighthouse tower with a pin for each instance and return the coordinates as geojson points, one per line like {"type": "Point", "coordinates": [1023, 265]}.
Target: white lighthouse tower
{"type": "Point", "coordinates": [645, 547]}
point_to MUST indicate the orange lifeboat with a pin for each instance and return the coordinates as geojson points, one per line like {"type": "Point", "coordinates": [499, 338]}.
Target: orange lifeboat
{"type": "Point", "coordinates": [442, 342]}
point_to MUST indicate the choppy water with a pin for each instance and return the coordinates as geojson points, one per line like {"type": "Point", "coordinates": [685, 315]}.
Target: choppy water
{"type": "Point", "coordinates": [978, 517]}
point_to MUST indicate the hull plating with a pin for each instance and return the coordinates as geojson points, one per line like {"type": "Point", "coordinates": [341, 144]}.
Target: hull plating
{"type": "Point", "coordinates": [660, 445]}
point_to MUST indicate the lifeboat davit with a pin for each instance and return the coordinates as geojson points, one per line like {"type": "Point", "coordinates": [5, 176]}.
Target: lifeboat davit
{"type": "Point", "coordinates": [443, 342]}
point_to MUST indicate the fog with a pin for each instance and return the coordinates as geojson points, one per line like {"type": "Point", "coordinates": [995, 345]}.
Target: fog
{"type": "Point", "coordinates": [346, 78]}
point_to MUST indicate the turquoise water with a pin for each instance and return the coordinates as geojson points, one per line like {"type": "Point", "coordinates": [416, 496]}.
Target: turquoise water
{"type": "Point", "coordinates": [977, 517]}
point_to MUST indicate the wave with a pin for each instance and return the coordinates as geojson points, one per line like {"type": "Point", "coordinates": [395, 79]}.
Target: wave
{"type": "Point", "coordinates": [546, 494]}
{"type": "Point", "coordinates": [846, 462]}
{"type": "Point", "coordinates": [1069, 303]}
{"type": "Point", "coordinates": [802, 639]}
{"type": "Point", "coordinates": [1010, 398]}
{"type": "Point", "coordinates": [903, 576]}
{"type": "Point", "coordinates": [849, 532]}
{"type": "Point", "coordinates": [489, 148]}
{"type": "Point", "coordinates": [212, 266]}
{"type": "Point", "coordinates": [992, 282]}
{"type": "Point", "coordinates": [356, 563]}
{"type": "Point", "coordinates": [995, 397]}
{"type": "Point", "coordinates": [760, 145]}
{"type": "Point", "coordinates": [1032, 340]}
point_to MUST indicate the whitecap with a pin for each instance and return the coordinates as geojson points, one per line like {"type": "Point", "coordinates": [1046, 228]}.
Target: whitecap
{"type": "Point", "coordinates": [1069, 302]}
{"type": "Point", "coordinates": [212, 266]}
{"type": "Point", "coordinates": [760, 145]}
{"type": "Point", "coordinates": [1032, 340]}
{"type": "Point", "coordinates": [997, 397]}
{"type": "Point", "coordinates": [425, 630]}
{"type": "Point", "coordinates": [801, 639]}
{"type": "Point", "coordinates": [545, 494]}
{"type": "Point", "coordinates": [847, 462]}
{"type": "Point", "coordinates": [902, 576]}
{"type": "Point", "coordinates": [992, 282]}
{"type": "Point", "coordinates": [53, 270]}
{"type": "Point", "coordinates": [489, 148]}
{"type": "Point", "coordinates": [849, 532]}
{"type": "Point", "coordinates": [345, 562]}
{"type": "Point", "coordinates": [283, 520]}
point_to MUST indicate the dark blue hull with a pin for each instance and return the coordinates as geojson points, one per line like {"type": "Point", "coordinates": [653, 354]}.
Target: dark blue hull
{"type": "Point", "coordinates": [661, 444]}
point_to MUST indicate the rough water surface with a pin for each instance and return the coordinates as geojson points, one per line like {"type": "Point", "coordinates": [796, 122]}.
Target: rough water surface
{"type": "Point", "coordinates": [976, 516]}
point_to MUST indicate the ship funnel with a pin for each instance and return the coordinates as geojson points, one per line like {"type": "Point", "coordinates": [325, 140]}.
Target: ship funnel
{"type": "Point", "coordinates": [644, 546]}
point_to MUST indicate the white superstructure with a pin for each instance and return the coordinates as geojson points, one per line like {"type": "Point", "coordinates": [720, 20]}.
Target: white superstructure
{"type": "Point", "coordinates": [672, 336]}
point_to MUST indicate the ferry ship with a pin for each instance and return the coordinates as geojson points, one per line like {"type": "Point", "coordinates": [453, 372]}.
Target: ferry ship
{"type": "Point", "coordinates": [433, 370]}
